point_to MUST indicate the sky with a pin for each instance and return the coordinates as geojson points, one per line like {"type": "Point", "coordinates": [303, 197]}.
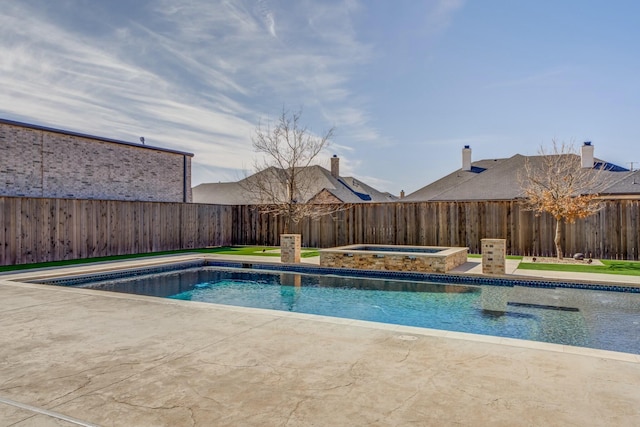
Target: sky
{"type": "Point", "coordinates": [406, 84]}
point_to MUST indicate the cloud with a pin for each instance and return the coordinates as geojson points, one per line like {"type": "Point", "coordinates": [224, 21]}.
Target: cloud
{"type": "Point", "coordinates": [267, 15]}
{"type": "Point", "coordinates": [193, 75]}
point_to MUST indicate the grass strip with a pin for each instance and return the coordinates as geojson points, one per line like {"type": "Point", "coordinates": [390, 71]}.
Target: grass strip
{"type": "Point", "coordinates": [628, 268]}
{"type": "Point", "coordinates": [224, 250]}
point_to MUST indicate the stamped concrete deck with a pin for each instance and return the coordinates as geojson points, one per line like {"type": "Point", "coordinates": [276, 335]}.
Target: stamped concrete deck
{"type": "Point", "coordinates": [73, 357]}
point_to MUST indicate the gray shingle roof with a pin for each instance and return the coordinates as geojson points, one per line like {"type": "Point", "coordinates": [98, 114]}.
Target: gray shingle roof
{"type": "Point", "coordinates": [222, 193]}
{"type": "Point", "coordinates": [628, 184]}
{"type": "Point", "coordinates": [497, 179]}
{"type": "Point", "coordinates": [346, 189]}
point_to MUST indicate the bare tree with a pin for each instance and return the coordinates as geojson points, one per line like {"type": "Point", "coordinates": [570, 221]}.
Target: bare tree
{"type": "Point", "coordinates": [555, 182]}
{"type": "Point", "coordinates": [284, 183]}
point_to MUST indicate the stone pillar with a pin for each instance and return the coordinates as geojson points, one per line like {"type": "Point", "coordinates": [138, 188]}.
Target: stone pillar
{"type": "Point", "coordinates": [494, 256]}
{"type": "Point", "coordinates": [290, 248]}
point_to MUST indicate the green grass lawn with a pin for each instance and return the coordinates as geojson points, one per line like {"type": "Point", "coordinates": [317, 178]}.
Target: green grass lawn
{"type": "Point", "coordinates": [225, 250]}
{"type": "Point", "coordinates": [629, 268]}
{"type": "Point", "coordinates": [257, 250]}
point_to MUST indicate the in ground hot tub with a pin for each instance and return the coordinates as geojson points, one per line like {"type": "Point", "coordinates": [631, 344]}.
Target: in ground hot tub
{"type": "Point", "coordinates": [394, 257]}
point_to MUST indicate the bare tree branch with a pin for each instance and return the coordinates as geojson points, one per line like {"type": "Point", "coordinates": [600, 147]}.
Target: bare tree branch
{"type": "Point", "coordinates": [283, 183]}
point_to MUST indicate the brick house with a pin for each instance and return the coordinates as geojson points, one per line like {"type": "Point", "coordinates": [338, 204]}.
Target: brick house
{"type": "Point", "coordinates": [39, 161]}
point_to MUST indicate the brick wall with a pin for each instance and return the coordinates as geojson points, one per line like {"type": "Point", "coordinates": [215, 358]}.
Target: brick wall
{"type": "Point", "coordinates": [325, 196]}
{"type": "Point", "coordinates": [38, 162]}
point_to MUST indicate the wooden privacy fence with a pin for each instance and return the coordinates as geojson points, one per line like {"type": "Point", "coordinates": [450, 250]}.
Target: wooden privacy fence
{"type": "Point", "coordinates": [612, 233]}
{"type": "Point", "coordinates": [39, 230]}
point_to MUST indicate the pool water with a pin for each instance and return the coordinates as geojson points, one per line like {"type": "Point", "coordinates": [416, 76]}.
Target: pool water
{"type": "Point", "coordinates": [586, 318]}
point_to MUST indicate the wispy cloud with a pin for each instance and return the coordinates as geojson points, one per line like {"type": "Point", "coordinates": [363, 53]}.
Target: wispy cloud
{"type": "Point", "coordinates": [193, 74]}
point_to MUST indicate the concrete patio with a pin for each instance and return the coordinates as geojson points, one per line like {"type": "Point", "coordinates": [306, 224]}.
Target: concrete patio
{"type": "Point", "coordinates": [82, 357]}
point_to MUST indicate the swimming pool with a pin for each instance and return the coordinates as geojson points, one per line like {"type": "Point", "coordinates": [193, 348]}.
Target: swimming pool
{"type": "Point", "coordinates": [587, 318]}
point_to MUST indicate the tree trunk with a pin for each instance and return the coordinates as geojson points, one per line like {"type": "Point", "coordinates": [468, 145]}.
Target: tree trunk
{"type": "Point", "coordinates": [558, 239]}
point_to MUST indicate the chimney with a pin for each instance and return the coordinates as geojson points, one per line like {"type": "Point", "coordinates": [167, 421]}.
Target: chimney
{"type": "Point", "coordinates": [587, 155]}
{"type": "Point", "coordinates": [402, 194]}
{"type": "Point", "coordinates": [466, 158]}
{"type": "Point", "coordinates": [335, 166]}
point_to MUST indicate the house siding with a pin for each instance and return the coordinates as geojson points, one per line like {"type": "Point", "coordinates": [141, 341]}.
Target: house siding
{"type": "Point", "coordinates": [42, 163]}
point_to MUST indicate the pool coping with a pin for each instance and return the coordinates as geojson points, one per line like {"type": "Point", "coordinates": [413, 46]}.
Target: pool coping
{"type": "Point", "coordinates": [204, 260]}
{"type": "Point", "coordinates": [399, 249]}
{"type": "Point", "coordinates": [305, 266]}
{"type": "Point", "coordinates": [26, 278]}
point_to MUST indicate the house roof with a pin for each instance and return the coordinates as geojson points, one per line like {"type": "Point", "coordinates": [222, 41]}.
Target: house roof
{"type": "Point", "coordinates": [346, 189]}
{"type": "Point", "coordinates": [97, 138]}
{"type": "Point", "coordinates": [497, 179]}
{"type": "Point", "coordinates": [629, 183]}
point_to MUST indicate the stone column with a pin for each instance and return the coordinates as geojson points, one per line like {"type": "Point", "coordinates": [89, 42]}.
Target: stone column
{"type": "Point", "coordinates": [494, 256]}
{"type": "Point", "coordinates": [290, 248]}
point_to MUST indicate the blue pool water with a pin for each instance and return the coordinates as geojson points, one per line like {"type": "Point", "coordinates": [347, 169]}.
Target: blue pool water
{"type": "Point", "coordinates": [596, 319]}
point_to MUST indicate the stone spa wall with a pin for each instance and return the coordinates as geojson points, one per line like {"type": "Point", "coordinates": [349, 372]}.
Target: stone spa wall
{"type": "Point", "coordinates": [392, 258]}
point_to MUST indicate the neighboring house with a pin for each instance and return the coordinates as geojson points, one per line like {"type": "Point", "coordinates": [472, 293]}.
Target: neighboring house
{"type": "Point", "coordinates": [38, 161]}
{"type": "Point", "coordinates": [320, 186]}
{"type": "Point", "coordinates": [497, 179]}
